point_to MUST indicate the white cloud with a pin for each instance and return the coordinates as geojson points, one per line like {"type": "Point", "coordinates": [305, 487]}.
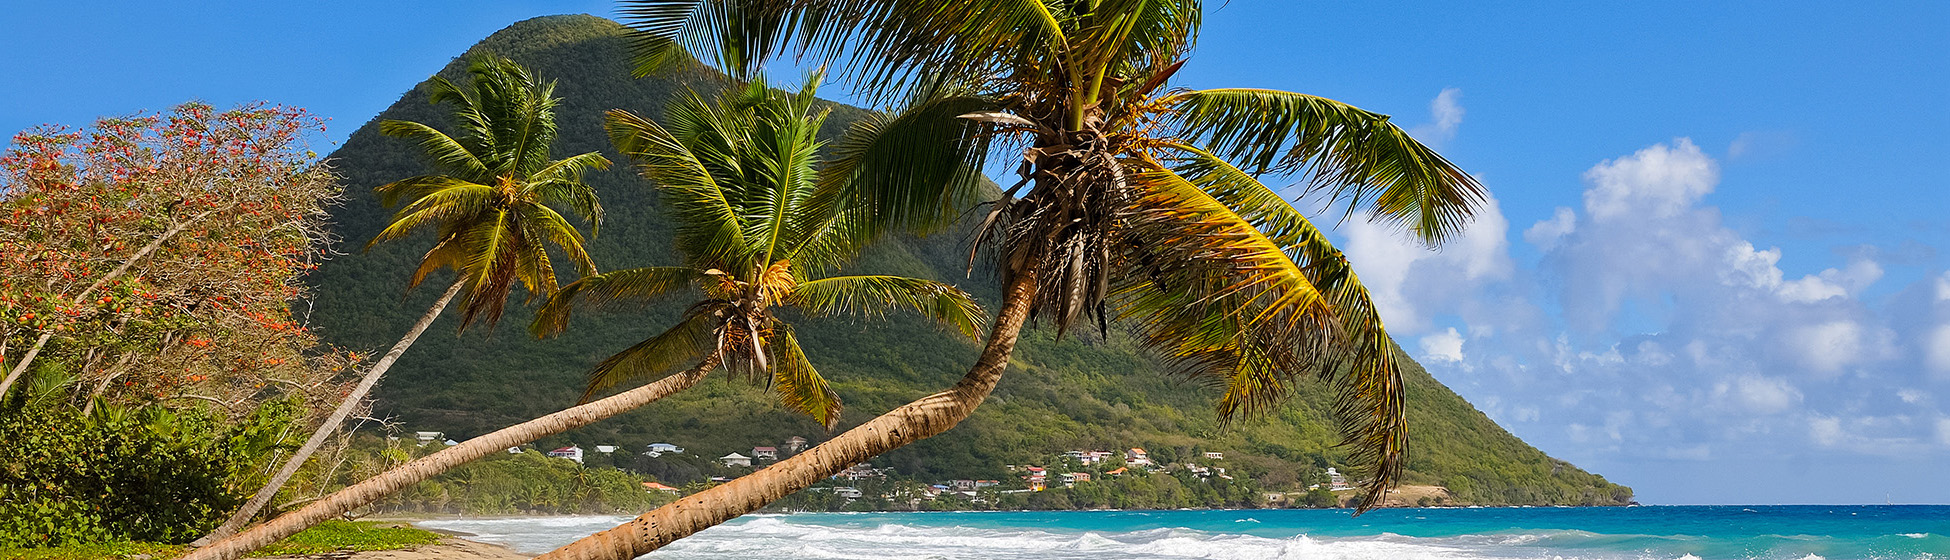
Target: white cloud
{"type": "Point", "coordinates": [1655, 182]}
{"type": "Point", "coordinates": [1943, 431]}
{"type": "Point", "coordinates": [1445, 346]}
{"type": "Point", "coordinates": [1826, 430]}
{"type": "Point", "coordinates": [1545, 234]}
{"type": "Point", "coordinates": [1445, 114]}
{"type": "Point", "coordinates": [1829, 347]}
{"type": "Point", "coordinates": [1943, 287]}
{"type": "Point", "coordinates": [1936, 349]}
{"type": "Point", "coordinates": [1750, 268]}
{"type": "Point", "coordinates": [1912, 396]}
{"type": "Point", "coordinates": [1409, 282]}
{"type": "Point", "coordinates": [1766, 395]}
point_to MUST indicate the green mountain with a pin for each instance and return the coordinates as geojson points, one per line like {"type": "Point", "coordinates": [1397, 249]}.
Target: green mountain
{"type": "Point", "coordinates": [1083, 392]}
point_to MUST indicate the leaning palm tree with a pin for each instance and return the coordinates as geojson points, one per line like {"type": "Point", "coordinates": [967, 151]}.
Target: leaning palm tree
{"type": "Point", "coordinates": [491, 211]}
{"type": "Point", "coordinates": [1144, 204]}
{"type": "Point", "coordinates": [758, 229]}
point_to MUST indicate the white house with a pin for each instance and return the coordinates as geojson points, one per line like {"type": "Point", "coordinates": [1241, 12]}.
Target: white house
{"type": "Point", "coordinates": [1137, 457]}
{"type": "Point", "coordinates": [1336, 481]}
{"type": "Point", "coordinates": [848, 492]}
{"type": "Point", "coordinates": [1214, 455]}
{"type": "Point", "coordinates": [765, 453]}
{"type": "Point", "coordinates": [662, 448]}
{"type": "Point", "coordinates": [795, 444]}
{"type": "Point", "coordinates": [572, 453]}
{"type": "Point", "coordinates": [605, 449]}
{"type": "Point", "coordinates": [736, 460]}
{"type": "Point", "coordinates": [424, 438]}
{"type": "Point", "coordinates": [514, 450]}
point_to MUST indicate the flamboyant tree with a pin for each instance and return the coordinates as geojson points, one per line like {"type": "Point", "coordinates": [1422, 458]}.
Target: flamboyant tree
{"type": "Point", "coordinates": [1137, 202]}
{"type": "Point", "coordinates": [156, 257]}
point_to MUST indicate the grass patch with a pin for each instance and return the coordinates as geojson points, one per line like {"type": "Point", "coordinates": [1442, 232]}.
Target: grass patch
{"type": "Point", "coordinates": [330, 536]}
{"type": "Point", "coordinates": [350, 535]}
{"type": "Point", "coordinates": [95, 551]}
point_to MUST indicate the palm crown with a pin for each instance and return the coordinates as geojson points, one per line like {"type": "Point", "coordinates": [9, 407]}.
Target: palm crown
{"type": "Point", "coordinates": [492, 206]}
{"type": "Point", "coordinates": [1144, 202]}
{"type": "Point", "coordinates": [758, 230]}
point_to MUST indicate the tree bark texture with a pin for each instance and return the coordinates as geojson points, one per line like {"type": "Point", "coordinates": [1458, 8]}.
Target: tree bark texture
{"type": "Point", "coordinates": [912, 422]}
{"type": "Point", "coordinates": [372, 489]}
{"type": "Point", "coordinates": [331, 424]}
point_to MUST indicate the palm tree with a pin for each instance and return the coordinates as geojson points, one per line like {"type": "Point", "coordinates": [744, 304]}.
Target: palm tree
{"type": "Point", "coordinates": [1145, 203]}
{"type": "Point", "coordinates": [490, 210]}
{"type": "Point", "coordinates": [758, 229]}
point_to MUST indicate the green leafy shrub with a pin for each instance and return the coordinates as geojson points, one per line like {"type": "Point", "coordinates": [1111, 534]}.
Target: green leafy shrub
{"type": "Point", "coordinates": [145, 474]}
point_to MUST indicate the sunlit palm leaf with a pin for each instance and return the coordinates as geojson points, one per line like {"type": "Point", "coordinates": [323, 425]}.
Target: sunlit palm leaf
{"type": "Point", "coordinates": [445, 150]}
{"type": "Point", "coordinates": [709, 226]}
{"type": "Point", "coordinates": [875, 296]}
{"type": "Point", "coordinates": [1362, 367]}
{"type": "Point", "coordinates": [441, 201]}
{"type": "Point", "coordinates": [1358, 155]}
{"type": "Point", "coordinates": [918, 168]}
{"type": "Point", "coordinates": [800, 387]}
{"type": "Point", "coordinates": [636, 284]}
{"type": "Point", "coordinates": [692, 338]}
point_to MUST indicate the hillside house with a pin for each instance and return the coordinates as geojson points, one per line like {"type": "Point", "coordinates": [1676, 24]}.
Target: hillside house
{"type": "Point", "coordinates": [657, 449]}
{"type": "Point", "coordinates": [1137, 457]}
{"type": "Point", "coordinates": [1071, 479]}
{"type": "Point", "coordinates": [572, 453]}
{"type": "Point", "coordinates": [765, 453]}
{"type": "Point", "coordinates": [605, 449]}
{"type": "Point", "coordinates": [656, 487]}
{"type": "Point", "coordinates": [793, 445]}
{"type": "Point", "coordinates": [424, 438]}
{"type": "Point", "coordinates": [848, 492]}
{"type": "Point", "coordinates": [1087, 458]}
{"type": "Point", "coordinates": [1337, 481]}
{"type": "Point", "coordinates": [987, 483]}
{"type": "Point", "coordinates": [962, 484]}
{"type": "Point", "coordinates": [861, 471]}
{"type": "Point", "coordinates": [1214, 455]}
{"type": "Point", "coordinates": [736, 460]}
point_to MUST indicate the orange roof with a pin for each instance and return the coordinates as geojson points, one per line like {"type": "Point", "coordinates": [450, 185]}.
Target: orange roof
{"type": "Point", "coordinates": [1138, 449]}
{"type": "Point", "coordinates": [656, 486]}
{"type": "Point", "coordinates": [1120, 470]}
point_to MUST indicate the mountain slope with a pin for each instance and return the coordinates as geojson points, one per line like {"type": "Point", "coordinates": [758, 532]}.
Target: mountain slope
{"type": "Point", "coordinates": [1058, 395]}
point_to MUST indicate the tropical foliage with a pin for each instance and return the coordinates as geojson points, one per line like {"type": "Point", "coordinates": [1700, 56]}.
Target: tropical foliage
{"type": "Point", "coordinates": [760, 227]}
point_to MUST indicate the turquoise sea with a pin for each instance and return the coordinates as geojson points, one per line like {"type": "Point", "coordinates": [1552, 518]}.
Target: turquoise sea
{"type": "Point", "coordinates": [1653, 532]}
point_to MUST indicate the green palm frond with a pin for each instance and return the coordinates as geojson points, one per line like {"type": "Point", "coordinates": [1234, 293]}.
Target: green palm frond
{"type": "Point", "coordinates": [446, 152]}
{"type": "Point", "coordinates": [438, 201]}
{"type": "Point", "coordinates": [874, 296]}
{"type": "Point", "coordinates": [709, 225]}
{"type": "Point", "coordinates": [635, 284]}
{"type": "Point", "coordinates": [917, 168]}
{"type": "Point", "coordinates": [800, 387]}
{"type": "Point", "coordinates": [1362, 366]}
{"type": "Point", "coordinates": [1357, 155]}
{"type": "Point", "coordinates": [691, 339]}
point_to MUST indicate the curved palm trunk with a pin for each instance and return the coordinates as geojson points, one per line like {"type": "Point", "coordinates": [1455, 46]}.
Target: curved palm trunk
{"type": "Point", "coordinates": [244, 514]}
{"type": "Point", "coordinates": [912, 422]}
{"type": "Point", "coordinates": [372, 489]}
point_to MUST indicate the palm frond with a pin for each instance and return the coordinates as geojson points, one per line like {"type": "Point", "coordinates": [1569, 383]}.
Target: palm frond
{"type": "Point", "coordinates": [635, 284]}
{"type": "Point", "coordinates": [800, 387]}
{"type": "Point", "coordinates": [1358, 156]}
{"type": "Point", "coordinates": [917, 168]}
{"type": "Point", "coordinates": [709, 226]}
{"type": "Point", "coordinates": [1363, 367]}
{"type": "Point", "coordinates": [560, 182]}
{"type": "Point", "coordinates": [690, 340]}
{"type": "Point", "coordinates": [446, 152]}
{"type": "Point", "coordinates": [875, 296]}
{"type": "Point", "coordinates": [437, 201]}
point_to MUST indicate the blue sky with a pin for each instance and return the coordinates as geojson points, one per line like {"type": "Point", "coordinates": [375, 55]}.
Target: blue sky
{"type": "Point", "coordinates": [1713, 270]}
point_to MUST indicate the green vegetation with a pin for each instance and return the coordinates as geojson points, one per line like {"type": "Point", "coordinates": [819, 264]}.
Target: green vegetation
{"type": "Point", "coordinates": [528, 483]}
{"type": "Point", "coordinates": [330, 536]}
{"type": "Point", "coordinates": [1076, 393]}
{"type": "Point", "coordinates": [334, 536]}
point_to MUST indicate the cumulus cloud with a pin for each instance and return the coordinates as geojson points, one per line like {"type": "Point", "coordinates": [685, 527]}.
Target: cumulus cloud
{"type": "Point", "coordinates": [1656, 182]}
{"type": "Point", "coordinates": [1545, 234]}
{"type": "Point", "coordinates": [1936, 350]}
{"type": "Point", "coordinates": [1445, 346]}
{"type": "Point", "coordinates": [1409, 281]}
{"type": "Point", "coordinates": [1445, 115]}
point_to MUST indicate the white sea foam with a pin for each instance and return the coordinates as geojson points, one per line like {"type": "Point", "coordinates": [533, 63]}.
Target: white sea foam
{"type": "Point", "coordinates": [783, 537]}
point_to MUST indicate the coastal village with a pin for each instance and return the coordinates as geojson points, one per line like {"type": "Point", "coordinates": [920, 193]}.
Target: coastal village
{"type": "Point", "coordinates": [864, 480]}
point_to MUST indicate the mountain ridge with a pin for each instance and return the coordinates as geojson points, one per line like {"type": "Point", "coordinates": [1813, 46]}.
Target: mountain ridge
{"type": "Point", "coordinates": [1080, 392]}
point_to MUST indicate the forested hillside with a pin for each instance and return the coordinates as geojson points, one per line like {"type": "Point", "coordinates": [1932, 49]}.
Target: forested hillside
{"type": "Point", "coordinates": [1084, 392]}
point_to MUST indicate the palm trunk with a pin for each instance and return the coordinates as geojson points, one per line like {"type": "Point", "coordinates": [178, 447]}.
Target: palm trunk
{"type": "Point", "coordinates": [32, 352]}
{"type": "Point", "coordinates": [912, 422]}
{"type": "Point", "coordinates": [243, 515]}
{"type": "Point", "coordinates": [372, 489]}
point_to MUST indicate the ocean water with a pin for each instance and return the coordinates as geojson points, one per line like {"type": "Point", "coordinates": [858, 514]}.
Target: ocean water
{"type": "Point", "coordinates": [1659, 532]}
